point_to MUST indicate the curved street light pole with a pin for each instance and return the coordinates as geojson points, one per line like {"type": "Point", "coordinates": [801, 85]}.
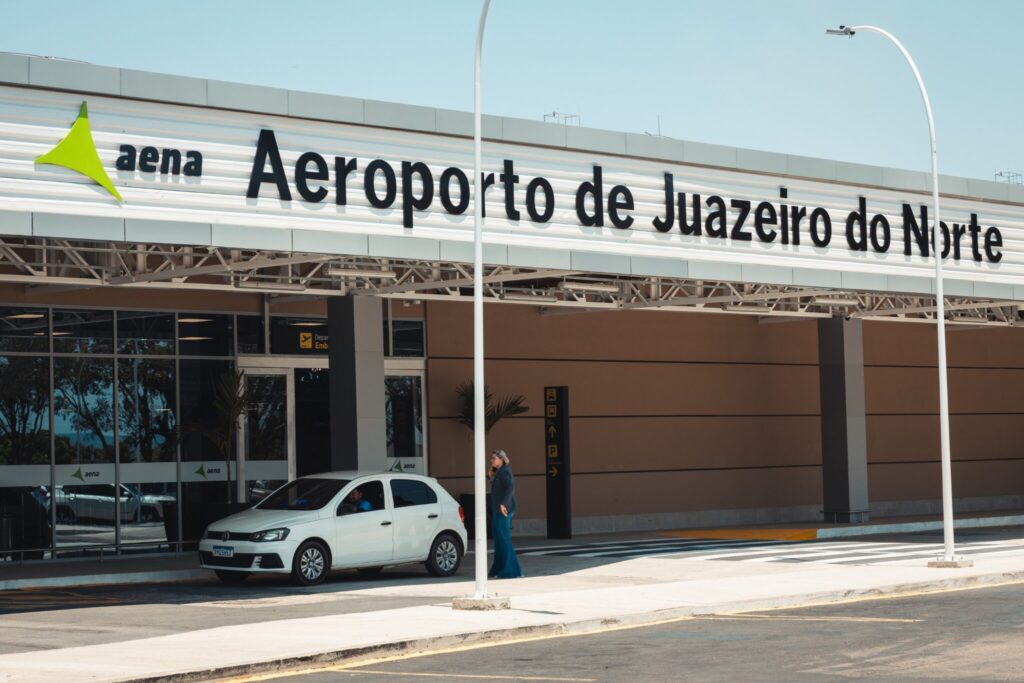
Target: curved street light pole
{"type": "Point", "coordinates": [940, 312]}
{"type": "Point", "coordinates": [479, 413]}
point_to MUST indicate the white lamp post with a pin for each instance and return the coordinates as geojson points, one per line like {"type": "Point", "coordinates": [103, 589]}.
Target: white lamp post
{"type": "Point", "coordinates": [948, 558]}
{"type": "Point", "coordinates": [481, 599]}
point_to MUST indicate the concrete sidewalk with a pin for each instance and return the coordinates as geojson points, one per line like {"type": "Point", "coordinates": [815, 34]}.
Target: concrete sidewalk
{"type": "Point", "coordinates": [635, 591]}
{"type": "Point", "coordinates": [134, 569]}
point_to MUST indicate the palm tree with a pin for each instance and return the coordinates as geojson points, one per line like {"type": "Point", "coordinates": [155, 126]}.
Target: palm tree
{"type": "Point", "coordinates": [512, 404]}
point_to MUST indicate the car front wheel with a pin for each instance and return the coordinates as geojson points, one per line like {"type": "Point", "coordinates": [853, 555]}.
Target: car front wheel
{"type": "Point", "coordinates": [310, 564]}
{"type": "Point", "coordinates": [445, 555]}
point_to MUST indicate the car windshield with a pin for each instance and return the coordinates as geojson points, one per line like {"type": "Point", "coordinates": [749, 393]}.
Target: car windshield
{"type": "Point", "coordinates": [303, 494]}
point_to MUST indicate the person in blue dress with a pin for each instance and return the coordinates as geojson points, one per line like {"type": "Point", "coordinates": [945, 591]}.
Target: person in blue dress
{"type": "Point", "coordinates": [503, 504]}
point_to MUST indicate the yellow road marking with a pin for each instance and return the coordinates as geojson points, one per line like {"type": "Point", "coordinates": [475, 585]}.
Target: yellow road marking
{"type": "Point", "coordinates": [254, 678]}
{"type": "Point", "coordinates": [482, 677]}
{"type": "Point", "coordinates": [747, 534]}
{"type": "Point", "coordinates": [789, 617]}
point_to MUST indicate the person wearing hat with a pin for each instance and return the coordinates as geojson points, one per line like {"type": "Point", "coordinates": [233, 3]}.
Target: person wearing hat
{"type": "Point", "coordinates": [503, 503]}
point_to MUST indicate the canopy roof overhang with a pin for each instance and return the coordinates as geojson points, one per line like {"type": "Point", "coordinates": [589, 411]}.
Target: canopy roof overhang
{"type": "Point", "coordinates": [48, 266]}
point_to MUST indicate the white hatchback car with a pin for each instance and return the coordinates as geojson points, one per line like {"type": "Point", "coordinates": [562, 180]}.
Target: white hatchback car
{"type": "Point", "coordinates": [339, 520]}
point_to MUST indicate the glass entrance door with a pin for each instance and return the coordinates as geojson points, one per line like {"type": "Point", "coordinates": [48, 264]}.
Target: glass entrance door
{"type": "Point", "coordinates": [406, 428]}
{"type": "Point", "coordinates": [267, 438]}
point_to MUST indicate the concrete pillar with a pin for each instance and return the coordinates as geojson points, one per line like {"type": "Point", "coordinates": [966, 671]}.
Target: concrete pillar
{"type": "Point", "coordinates": [356, 354]}
{"type": "Point", "coordinates": [844, 466]}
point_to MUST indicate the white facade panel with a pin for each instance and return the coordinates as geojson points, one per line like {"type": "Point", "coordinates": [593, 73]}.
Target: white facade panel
{"type": "Point", "coordinates": [33, 121]}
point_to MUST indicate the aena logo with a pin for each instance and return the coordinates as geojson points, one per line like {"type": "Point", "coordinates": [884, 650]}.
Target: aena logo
{"type": "Point", "coordinates": [77, 152]}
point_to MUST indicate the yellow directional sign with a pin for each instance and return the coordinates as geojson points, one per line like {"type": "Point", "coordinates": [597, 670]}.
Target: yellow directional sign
{"type": "Point", "coordinates": [552, 411]}
{"type": "Point", "coordinates": [552, 431]}
{"type": "Point", "coordinates": [552, 451]}
{"type": "Point", "coordinates": [550, 395]}
{"type": "Point", "coordinates": [552, 471]}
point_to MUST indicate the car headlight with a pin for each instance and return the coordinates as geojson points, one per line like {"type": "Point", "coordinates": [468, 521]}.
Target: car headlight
{"type": "Point", "coordinates": [269, 535]}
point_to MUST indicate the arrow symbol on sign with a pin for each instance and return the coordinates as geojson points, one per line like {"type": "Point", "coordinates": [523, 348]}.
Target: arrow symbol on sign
{"type": "Point", "coordinates": [552, 471]}
{"type": "Point", "coordinates": [551, 431]}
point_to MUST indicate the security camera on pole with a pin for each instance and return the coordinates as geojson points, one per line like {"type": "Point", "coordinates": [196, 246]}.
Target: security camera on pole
{"type": "Point", "coordinates": [948, 557]}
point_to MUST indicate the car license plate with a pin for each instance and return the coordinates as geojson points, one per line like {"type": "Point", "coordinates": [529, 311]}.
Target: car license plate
{"type": "Point", "coordinates": [223, 551]}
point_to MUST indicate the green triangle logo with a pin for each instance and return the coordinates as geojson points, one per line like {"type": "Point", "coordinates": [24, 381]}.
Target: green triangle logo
{"type": "Point", "coordinates": [78, 474]}
{"type": "Point", "coordinates": [77, 152]}
{"type": "Point", "coordinates": [201, 471]}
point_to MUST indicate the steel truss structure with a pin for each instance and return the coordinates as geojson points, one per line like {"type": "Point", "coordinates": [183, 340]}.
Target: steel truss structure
{"type": "Point", "coordinates": [46, 266]}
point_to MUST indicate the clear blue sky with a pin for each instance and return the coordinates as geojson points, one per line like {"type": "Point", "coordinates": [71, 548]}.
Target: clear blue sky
{"type": "Point", "coordinates": [741, 72]}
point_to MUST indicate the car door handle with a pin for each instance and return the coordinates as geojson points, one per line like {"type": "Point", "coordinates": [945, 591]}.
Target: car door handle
{"type": "Point", "coordinates": [432, 516]}
{"type": "Point", "coordinates": [385, 523]}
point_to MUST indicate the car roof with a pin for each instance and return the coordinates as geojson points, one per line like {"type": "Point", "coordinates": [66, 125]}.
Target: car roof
{"type": "Point", "coordinates": [360, 474]}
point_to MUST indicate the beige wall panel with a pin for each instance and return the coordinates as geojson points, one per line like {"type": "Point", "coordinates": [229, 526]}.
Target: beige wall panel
{"type": "Point", "coordinates": [514, 331]}
{"type": "Point", "coordinates": [621, 444]}
{"type": "Point", "coordinates": [614, 389]}
{"type": "Point", "coordinates": [623, 494]}
{"type": "Point", "coordinates": [889, 343]}
{"type": "Point", "coordinates": [916, 437]}
{"type": "Point", "coordinates": [685, 491]}
{"type": "Point", "coordinates": [915, 390]}
{"type": "Point", "coordinates": [922, 481]}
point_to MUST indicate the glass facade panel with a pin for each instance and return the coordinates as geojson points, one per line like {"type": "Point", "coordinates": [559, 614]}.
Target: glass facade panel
{"type": "Point", "coordinates": [250, 332]}
{"type": "Point", "coordinates": [205, 334]}
{"type": "Point", "coordinates": [146, 424]}
{"type": "Point", "coordinates": [150, 518]}
{"type": "Point", "coordinates": [25, 411]}
{"type": "Point", "coordinates": [199, 427]}
{"type": "Point", "coordinates": [24, 329]}
{"type": "Point", "coordinates": [83, 410]}
{"type": "Point", "coordinates": [404, 412]}
{"type": "Point", "coordinates": [298, 336]}
{"type": "Point", "coordinates": [407, 338]}
{"type": "Point", "coordinates": [145, 333]}
{"type": "Point", "coordinates": [82, 331]}
{"type": "Point", "coordinates": [312, 420]}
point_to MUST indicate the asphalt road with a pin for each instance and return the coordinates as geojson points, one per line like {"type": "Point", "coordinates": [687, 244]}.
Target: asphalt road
{"type": "Point", "coordinates": [967, 635]}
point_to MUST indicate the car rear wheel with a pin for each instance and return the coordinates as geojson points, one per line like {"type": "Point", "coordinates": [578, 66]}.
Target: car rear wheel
{"type": "Point", "coordinates": [445, 555]}
{"type": "Point", "coordinates": [310, 564]}
{"type": "Point", "coordinates": [231, 577]}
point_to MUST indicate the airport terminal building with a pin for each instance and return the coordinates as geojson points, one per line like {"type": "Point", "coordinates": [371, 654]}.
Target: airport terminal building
{"type": "Point", "coordinates": [743, 336]}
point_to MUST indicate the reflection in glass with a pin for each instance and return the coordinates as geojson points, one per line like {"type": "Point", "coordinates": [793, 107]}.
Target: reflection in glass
{"type": "Point", "coordinates": [81, 331]}
{"type": "Point", "coordinates": [266, 420]}
{"type": "Point", "coordinates": [86, 515]}
{"type": "Point", "coordinates": [24, 521]}
{"type": "Point", "coordinates": [24, 329]}
{"type": "Point", "coordinates": [258, 489]}
{"type": "Point", "coordinates": [404, 414]}
{"type": "Point", "coordinates": [149, 516]}
{"type": "Point", "coordinates": [205, 334]}
{"type": "Point", "coordinates": [24, 411]}
{"type": "Point", "coordinates": [145, 332]}
{"type": "Point", "coordinates": [83, 410]}
{"type": "Point", "coordinates": [198, 384]}
{"type": "Point", "coordinates": [146, 409]}
{"type": "Point", "coordinates": [250, 334]}
{"type": "Point", "coordinates": [407, 338]}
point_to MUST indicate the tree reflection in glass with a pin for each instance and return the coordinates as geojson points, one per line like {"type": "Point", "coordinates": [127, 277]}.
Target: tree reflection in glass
{"type": "Point", "coordinates": [24, 411]}
{"type": "Point", "coordinates": [83, 410]}
{"type": "Point", "coordinates": [146, 410]}
{"type": "Point", "coordinates": [266, 418]}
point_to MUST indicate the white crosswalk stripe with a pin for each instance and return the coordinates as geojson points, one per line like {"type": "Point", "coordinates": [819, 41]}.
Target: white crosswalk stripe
{"type": "Point", "coordinates": [740, 550]}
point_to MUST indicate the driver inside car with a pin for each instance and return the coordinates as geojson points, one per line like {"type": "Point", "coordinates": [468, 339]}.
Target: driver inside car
{"type": "Point", "coordinates": [357, 499]}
